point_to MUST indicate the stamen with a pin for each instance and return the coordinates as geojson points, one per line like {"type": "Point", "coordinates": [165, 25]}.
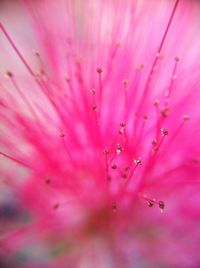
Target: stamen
{"type": "Point", "coordinates": [141, 131]}
{"type": "Point", "coordinates": [62, 136]}
{"type": "Point", "coordinates": [16, 50]}
{"type": "Point", "coordinates": [146, 88]}
{"type": "Point", "coordinates": [99, 71]}
{"type": "Point", "coordinates": [16, 160]}
{"type": "Point", "coordinates": [41, 65]}
{"type": "Point", "coordinates": [185, 119]}
{"type": "Point", "coordinates": [170, 86]}
{"type": "Point", "coordinates": [41, 85]}
{"type": "Point", "coordinates": [106, 152]}
{"type": "Point", "coordinates": [21, 94]}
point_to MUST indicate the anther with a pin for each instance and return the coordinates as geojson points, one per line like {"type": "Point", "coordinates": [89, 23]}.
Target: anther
{"type": "Point", "coordinates": [155, 145]}
{"type": "Point", "coordinates": [125, 82]}
{"type": "Point", "coordinates": [41, 69]}
{"type": "Point", "coordinates": [9, 74]}
{"type": "Point", "coordinates": [106, 152]}
{"type": "Point", "coordinates": [56, 206]}
{"type": "Point", "coordinates": [126, 168]}
{"type": "Point", "coordinates": [154, 142]}
{"type": "Point", "coordinates": [99, 70]}
{"type": "Point", "coordinates": [124, 175]}
{"type": "Point", "coordinates": [93, 91]}
{"type": "Point", "coordinates": [156, 102]}
{"type": "Point", "coordinates": [164, 132]}
{"type": "Point", "coordinates": [119, 149]}
{"type": "Point", "coordinates": [122, 128]}
{"type": "Point", "coordinates": [165, 112]}
{"type": "Point", "coordinates": [62, 135]}
{"type": "Point", "coordinates": [37, 53]}
{"type": "Point", "coordinates": [114, 207]}
{"type": "Point", "coordinates": [186, 117]}
{"type": "Point", "coordinates": [122, 125]}
{"type": "Point", "coordinates": [177, 58]}
{"type": "Point", "coordinates": [67, 79]}
{"type": "Point", "coordinates": [150, 203]}
{"type": "Point", "coordinates": [94, 107]}
{"type": "Point", "coordinates": [139, 67]}
{"type": "Point", "coordinates": [113, 166]}
{"type": "Point", "coordinates": [161, 205]}
{"type": "Point", "coordinates": [137, 161]}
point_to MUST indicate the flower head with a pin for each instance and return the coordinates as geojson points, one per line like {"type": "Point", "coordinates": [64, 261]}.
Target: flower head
{"type": "Point", "coordinates": [100, 133]}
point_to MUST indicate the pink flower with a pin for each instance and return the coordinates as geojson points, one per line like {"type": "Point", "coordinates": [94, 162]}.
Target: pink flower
{"type": "Point", "coordinates": [100, 133]}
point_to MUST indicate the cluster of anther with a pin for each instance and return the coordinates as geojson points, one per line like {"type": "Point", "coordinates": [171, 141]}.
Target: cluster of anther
{"type": "Point", "coordinates": [152, 202]}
